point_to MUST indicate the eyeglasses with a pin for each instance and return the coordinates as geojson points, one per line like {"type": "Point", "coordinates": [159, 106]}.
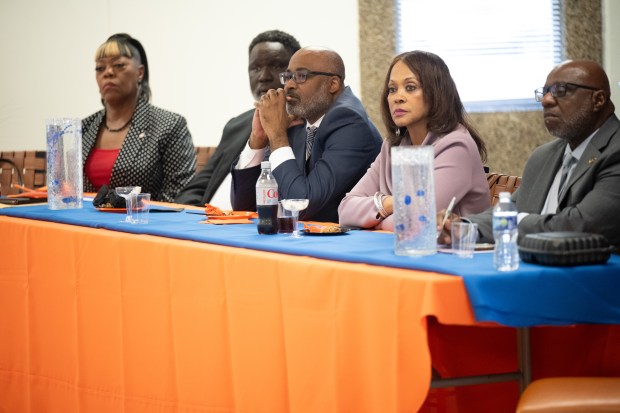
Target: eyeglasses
{"type": "Point", "coordinates": [557, 90]}
{"type": "Point", "coordinates": [300, 76]}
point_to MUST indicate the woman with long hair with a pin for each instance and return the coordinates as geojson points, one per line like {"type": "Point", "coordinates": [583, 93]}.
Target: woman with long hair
{"type": "Point", "coordinates": [421, 106]}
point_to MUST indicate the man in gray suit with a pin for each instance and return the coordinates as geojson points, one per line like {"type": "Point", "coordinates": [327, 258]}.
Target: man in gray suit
{"type": "Point", "coordinates": [577, 109]}
{"type": "Point", "coordinates": [269, 54]}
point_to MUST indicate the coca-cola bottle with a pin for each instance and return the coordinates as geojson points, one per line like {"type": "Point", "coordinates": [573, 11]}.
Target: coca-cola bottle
{"type": "Point", "coordinates": [267, 200]}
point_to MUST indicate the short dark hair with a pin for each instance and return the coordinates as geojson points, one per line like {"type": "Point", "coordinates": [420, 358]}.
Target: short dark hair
{"type": "Point", "coordinates": [122, 44]}
{"type": "Point", "coordinates": [445, 111]}
{"type": "Point", "coordinates": [289, 42]}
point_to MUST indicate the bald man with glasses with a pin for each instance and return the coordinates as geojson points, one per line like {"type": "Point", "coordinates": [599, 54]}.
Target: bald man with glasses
{"type": "Point", "coordinates": [573, 182]}
{"type": "Point", "coordinates": [316, 134]}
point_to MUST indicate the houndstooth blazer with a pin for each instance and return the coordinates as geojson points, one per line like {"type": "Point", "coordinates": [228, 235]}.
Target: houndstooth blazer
{"type": "Point", "coordinates": [158, 153]}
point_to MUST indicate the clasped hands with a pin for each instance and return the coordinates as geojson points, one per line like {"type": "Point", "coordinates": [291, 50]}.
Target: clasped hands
{"type": "Point", "coordinates": [271, 121]}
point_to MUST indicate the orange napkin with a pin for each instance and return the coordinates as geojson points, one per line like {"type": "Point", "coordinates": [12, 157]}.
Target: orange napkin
{"type": "Point", "coordinates": [227, 221]}
{"type": "Point", "coordinates": [233, 217]}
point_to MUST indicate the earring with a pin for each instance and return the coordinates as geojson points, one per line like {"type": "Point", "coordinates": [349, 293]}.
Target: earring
{"type": "Point", "coordinates": [397, 131]}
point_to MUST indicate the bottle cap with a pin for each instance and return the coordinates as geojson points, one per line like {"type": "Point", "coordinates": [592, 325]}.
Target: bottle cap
{"type": "Point", "coordinates": [265, 165]}
{"type": "Point", "coordinates": [505, 194]}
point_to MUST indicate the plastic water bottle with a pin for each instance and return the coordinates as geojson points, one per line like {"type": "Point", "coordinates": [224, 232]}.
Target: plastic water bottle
{"type": "Point", "coordinates": [505, 232]}
{"type": "Point", "coordinates": [267, 200]}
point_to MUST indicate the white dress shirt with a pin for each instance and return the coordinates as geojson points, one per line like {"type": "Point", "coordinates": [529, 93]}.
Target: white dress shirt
{"type": "Point", "coordinates": [551, 204]}
{"type": "Point", "coordinates": [253, 157]}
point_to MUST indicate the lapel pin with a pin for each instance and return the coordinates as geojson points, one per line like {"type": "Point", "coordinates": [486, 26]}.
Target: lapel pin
{"type": "Point", "coordinates": [592, 160]}
{"type": "Point", "coordinates": [142, 135]}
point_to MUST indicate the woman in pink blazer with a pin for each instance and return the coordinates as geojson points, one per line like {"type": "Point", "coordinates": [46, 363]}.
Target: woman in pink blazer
{"type": "Point", "coordinates": [421, 106]}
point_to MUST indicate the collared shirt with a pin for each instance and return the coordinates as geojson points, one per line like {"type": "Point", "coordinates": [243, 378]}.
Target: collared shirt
{"type": "Point", "coordinates": [281, 155]}
{"type": "Point", "coordinates": [253, 157]}
{"type": "Point", "coordinates": [551, 204]}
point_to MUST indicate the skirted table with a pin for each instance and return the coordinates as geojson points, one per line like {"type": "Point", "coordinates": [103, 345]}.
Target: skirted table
{"type": "Point", "coordinates": [179, 316]}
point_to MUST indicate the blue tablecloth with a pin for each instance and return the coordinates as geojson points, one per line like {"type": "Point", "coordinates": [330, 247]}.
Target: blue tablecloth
{"type": "Point", "coordinates": [532, 295]}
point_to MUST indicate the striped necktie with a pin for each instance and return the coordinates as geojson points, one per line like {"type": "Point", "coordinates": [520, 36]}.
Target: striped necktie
{"type": "Point", "coordinates": [567, 164]}
{"type": "Point", "coordinates": [310, 132]}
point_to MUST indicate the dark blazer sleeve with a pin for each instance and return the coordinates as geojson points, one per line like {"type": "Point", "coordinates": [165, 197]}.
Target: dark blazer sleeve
{"type": "Point", "coordinates": [243, 191]}
{"type": "Point", "coordinates": [204, 185]}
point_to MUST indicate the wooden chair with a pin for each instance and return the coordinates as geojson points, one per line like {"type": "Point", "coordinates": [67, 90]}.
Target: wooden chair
{"type": "Point", "coordinates": [571, 395]}
{"type": "Point", "coordinates": [27, 168]}
{"type": "Point", "coordinates": [501, 183]}
{"type": "Point", "coordinates": [9, 174]}
{"type": "Point", "coordinates": [203, 153]}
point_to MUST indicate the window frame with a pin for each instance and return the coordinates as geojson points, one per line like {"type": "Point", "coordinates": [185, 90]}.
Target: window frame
{"type": "Point", "coordinates": [497, 105]}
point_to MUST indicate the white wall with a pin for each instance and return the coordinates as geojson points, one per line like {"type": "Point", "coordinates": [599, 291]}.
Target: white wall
{"type": "Point", "coordinates": [611, 47]}
{"type": "Point", "coordinates": [197, 52]}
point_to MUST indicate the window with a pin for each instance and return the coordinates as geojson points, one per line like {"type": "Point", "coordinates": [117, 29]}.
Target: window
{"type": "Point", "coordinates": [498, 52]}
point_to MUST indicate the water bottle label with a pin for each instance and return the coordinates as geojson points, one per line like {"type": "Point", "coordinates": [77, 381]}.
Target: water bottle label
{"type": "Point", "coordinates": [504, 223]}
{"type": "Point", "coordinates": [266, 196]}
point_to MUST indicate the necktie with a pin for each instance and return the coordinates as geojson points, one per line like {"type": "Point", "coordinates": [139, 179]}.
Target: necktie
{"type": "Point", "coordinates": [567, 163]}
{"type": "Point", "coordinates": [310, 132]}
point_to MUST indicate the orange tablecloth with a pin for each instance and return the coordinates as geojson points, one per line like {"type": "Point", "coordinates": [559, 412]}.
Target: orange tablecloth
{"type": "Point", "coordinates": [100, 321]}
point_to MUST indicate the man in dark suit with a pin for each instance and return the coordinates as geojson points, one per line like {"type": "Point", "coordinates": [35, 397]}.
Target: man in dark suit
{"type": "Point", "coordinates": [323, 168]}
{"type": "Point", "coordinates": [269, 54]}
{"type": "Point", "coordinates": [577, 109]}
